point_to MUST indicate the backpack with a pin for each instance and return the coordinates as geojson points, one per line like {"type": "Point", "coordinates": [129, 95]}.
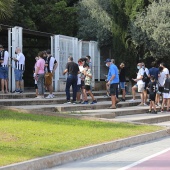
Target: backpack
{"type": "Point", "coordinates": [145, 78]}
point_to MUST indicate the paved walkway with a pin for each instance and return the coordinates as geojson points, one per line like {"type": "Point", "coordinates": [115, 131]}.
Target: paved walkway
{"type": "Point", "coordinates": [125, 158]}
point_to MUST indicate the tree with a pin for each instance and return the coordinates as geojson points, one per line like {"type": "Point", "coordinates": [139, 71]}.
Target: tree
{"type": "Point", "coordinates": [95, 21]}
{"type": "Point", "coordinates": [150, 30]}
{"type": "Point", "coordinates": [6, 7]}
{"type": "Point", "coordinates": [54, 16]}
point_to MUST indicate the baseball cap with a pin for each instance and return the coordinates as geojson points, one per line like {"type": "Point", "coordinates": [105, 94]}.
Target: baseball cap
{"type": "Point", "coordinates": [108, 60]}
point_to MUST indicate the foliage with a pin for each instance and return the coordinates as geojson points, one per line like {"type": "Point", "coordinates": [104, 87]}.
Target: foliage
{"type": "Point", "coordinates": [150, 30]}
{"type": "Point", "coordinates": [49, 16]}
{"type": "Point", "coordinates": [26, 136]}
{"type": "Point", "coordinates": [6, 7]}
{"type": "Point", "coordinates": [95, 21]}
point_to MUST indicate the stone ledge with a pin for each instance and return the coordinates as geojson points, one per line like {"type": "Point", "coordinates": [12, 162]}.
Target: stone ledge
{"type": "Point", "coordinates": [73, 155]}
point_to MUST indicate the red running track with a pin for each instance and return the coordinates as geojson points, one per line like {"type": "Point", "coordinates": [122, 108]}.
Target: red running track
{"type": "Point", "coordinates": [159, 161]}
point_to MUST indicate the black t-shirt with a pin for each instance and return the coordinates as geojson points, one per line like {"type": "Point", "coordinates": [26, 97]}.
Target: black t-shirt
{"type": "Point", "coordinates": [72, 68]}
{"type": "Point", "coordinates": [122, 76]}
{"type": "Point", "coordinates": [152, 87]}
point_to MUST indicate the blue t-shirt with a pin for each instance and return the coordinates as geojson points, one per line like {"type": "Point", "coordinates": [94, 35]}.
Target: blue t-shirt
{"type": "Point", "coordinates": [113, 70]}
{"type": "Point", "coordinates": [154, 72]}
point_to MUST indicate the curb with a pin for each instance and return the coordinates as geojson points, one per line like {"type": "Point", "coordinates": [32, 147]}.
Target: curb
{"type": "Point", "coordinates": [78, 154]}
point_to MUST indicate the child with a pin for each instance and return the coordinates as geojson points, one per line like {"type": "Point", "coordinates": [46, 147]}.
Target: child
{"type": "Point", "coordinates": [88, 78]}
{"type": "Point", "coordinates": [166, 95]}
{"type": "Point", "coordinates": [152, 87]}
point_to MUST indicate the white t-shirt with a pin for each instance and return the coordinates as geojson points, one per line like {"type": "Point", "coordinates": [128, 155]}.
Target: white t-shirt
{"type": "Point", "coordinates": [166, 71]}
{"type": "Point", "coordinates": [79, 75]}
{"type": "Point", "coordinates": [147, 71]}
{"type": "Point", "coordinates": [21, 58]}
{"type": "Point", "coordinates": [161, 78]}
{"type": "Point", "coordinates": [6, 56]}
{"type": "Point", "coordinates": [140, 73]}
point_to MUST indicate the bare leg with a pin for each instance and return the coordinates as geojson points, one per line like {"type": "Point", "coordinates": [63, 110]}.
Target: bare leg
{"type": "Point", "coordinates": [142, 97]}
{"type": "Point", "coordinates": [113, 98]}
{"type": "Point", "coordinates": [123, 93]}
{"type": "Point", "coordinates": [145, 96]}
{"type": "Point", "coordinates": [134, 88]}
{"type": "Point", "coordinates": [2, 85]}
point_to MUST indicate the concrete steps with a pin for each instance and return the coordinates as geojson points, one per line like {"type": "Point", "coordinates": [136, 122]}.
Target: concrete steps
{"type": "Point", "coordinates": [125, 112]}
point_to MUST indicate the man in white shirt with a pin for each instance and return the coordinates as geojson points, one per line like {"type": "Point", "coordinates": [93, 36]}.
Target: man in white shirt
{"type": "Point", "coordinates": [165, 69]}
{"type": "Point", "coordinates": [140, 84]}
{"type": "Point", "coordinates": [19, 70]}
{"type": "Point", "coordinates": [146, 83]}
{"type": "Point", "coordinates": [4, 55]}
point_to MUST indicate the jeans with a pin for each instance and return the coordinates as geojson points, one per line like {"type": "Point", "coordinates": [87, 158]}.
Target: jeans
{"type": "Point", "coordinates": [40, 84]}
{"type": "Point", "coordinates": [71, 81]}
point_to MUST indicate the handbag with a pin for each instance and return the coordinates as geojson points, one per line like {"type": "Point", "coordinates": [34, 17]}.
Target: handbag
{"type": "Point", "coordinates": [161, 89]}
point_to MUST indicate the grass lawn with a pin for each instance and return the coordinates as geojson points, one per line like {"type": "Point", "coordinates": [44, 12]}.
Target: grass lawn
{"type": "Point", "coordinates": [27, 136]}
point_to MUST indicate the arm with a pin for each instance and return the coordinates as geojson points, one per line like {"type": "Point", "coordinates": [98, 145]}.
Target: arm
{"type": "Point", "coordinates": [55, 67]}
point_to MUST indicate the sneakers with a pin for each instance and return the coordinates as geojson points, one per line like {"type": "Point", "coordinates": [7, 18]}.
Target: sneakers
{"type": "Point", "coordinates": [122, 100]}
{"type": "Point", "coordinates": [74, 102]}
{"type": "Point", "coordinates": [144, 104]}
{"type": "Point", "coordinates": [39, 97]}
{"type": "Point", "coordinates": [141, 104]}
{"type": "Point", "coordinates": [50, 96]}
{"type": "Point", "coordinates": [93, 102]}
{"type": "Point", "coordinates": [149, 111]}
{"type": "Point", "coordinates": [154, 112]}
{"type": "Point", "coordinates": [85, 102]}
{"type": "Point", "coordinates": [132, 100]}
{"type": "Point", "coordinates": [68, 102]}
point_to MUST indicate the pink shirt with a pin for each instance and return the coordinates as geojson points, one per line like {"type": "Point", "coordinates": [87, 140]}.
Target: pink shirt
{"type": "Point", "coordinates": [40, 64]}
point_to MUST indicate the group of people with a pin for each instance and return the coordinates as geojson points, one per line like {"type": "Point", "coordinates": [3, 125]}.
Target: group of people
{"type": "Point", "coordinates": [152, 83]}
{"type": "Point", "coordinates": [19, 61]}
{"type": "Point", "coordinates": [79, 76]}
{"type": "Point", "coordinates": [44, 70]}
{"type": "Point", "coordinates": [155, 82]}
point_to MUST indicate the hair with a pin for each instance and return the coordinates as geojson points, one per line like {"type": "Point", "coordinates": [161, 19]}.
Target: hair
{"type": "Point", "coordinates": [160, 68]}
{"type": "Point", "coordinates": [163, 64]}
{"type": "Point", "coordinates": [113, 60]}
{"type": "Point", "coordinates": [88, 57]}
{"type": "Point", "coordinates": [48, 51]}
{"type": "Point", "coordinates": [152, 77]}
{"type": "Point", "coordinates": [153, 64]}
{"type": "Point", "coordinates": [85, 65]}
{"type": "Point", "coordinates": [41, 54]}
{"type": "Point", "coordinates": [1, 46]}
{"type": "Point", "coordinates": [70, 58]}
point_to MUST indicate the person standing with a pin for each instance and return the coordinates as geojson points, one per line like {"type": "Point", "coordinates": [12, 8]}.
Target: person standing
{"type": "Point", "coordinates": [152, 87]}
{"type": "Point", "coordinates": [113, 81]}
{"type": "Point", "coordinates": [165, 69]}
{"type": "Point", "coordinates": [140, 84]}
{"type": "Point", "coordinates": [72, 69]}
{"type": "Point", "coordinates": [39, 75]}
{"type": "Point", "coordinates": [122, 78]}
{"type": "Point", "coordinates": [146, 81]}
{"type": "Point", "coordinates": [88, 77]}
{"type": "Point", "coordinates": [51, 66]}
{"type": "Point", "coordinates": [4, 56]}
{"type": "Point", "coordinates": [19, 70]}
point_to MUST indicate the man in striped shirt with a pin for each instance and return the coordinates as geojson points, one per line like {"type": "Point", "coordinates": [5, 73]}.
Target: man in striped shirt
{"type": "Point", "coordinates": [19, 69]}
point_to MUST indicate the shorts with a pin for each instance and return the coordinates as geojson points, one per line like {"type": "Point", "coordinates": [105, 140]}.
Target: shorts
{"type": "Point", "coordinates": [87, 87]}
{"type": "Point", "coordinates": [78, 88]}
{"type": "Point", "coordinates": [48, 79]}
{"type": "Point", "coordinates": [82, 83]}
{"type": "Point", "coordinates": [141, 88]}
{"type": "Point", "coordinates": [166, 95]}
{"type": "Point", "coordinates": [152, 96]}
{"type": "Point", "coordinates": [18, 75]}
{"type": "Point", "coordinates": [35, 85]}
{"type": "Point", "coordinates": [113, 88]}
{"type": "Point", "coordinates": [146, 85]}
{"type": "Point", "coordinates": [4, 73]}
{"type": "Point", "coordinates": [122, 85]}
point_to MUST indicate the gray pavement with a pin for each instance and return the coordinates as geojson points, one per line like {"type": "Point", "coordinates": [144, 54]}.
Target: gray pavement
{"type": "Point", "coordinates": [118, 158]}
